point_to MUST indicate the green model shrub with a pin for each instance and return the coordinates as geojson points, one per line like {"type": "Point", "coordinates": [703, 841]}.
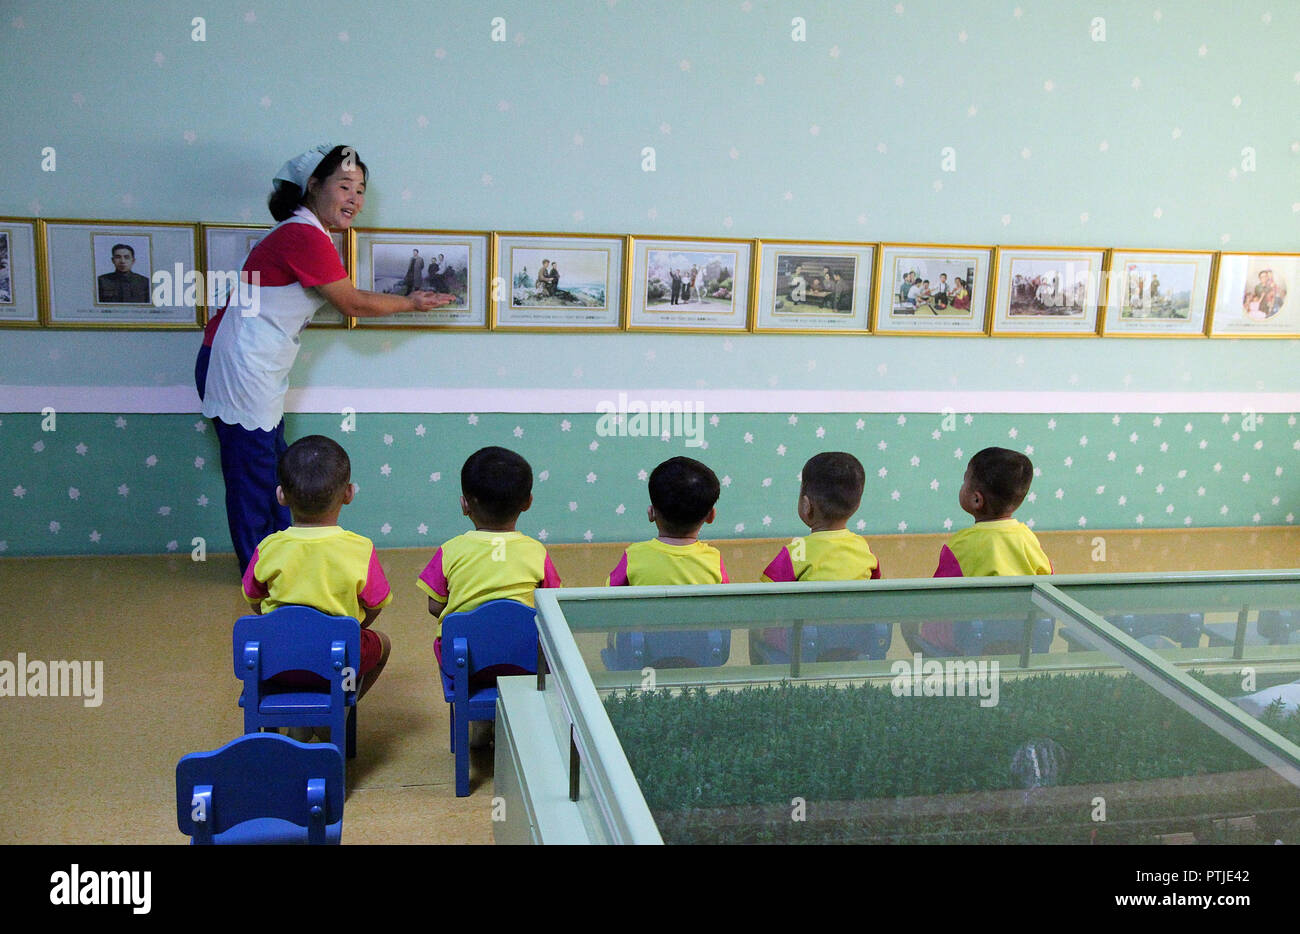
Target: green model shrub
{"type": "Point", "coordinates": [705, 760]}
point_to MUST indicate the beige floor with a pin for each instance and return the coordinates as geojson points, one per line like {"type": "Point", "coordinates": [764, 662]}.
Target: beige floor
{"type": "Point", "coordinates": [161, 626]}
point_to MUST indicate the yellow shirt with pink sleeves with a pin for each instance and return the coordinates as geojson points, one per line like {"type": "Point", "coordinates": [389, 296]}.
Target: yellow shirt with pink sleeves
{"type": "Point", "coordinates": [479, 566]}
{"type": "Point", "coordinates": [329, 568]}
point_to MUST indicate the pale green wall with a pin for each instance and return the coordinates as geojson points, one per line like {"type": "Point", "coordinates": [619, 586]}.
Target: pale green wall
{"type": "Point", "coordinates": [1135, 141]}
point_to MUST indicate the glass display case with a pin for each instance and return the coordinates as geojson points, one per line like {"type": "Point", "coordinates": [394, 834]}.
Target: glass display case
{"type": "Point", "coordinates": [1097, 709]}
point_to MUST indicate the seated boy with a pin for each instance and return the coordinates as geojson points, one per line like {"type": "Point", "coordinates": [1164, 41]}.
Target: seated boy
{"type": "Point", "coordinates": [682, 497]}
{"type": "Point", "coordinates": [997, 545]}
{"type": "Point", "coordinates": [315, 562]}
{"type": "Point", "coordinates": [830, 491]}
{"type": "Point", "coordinates": [493, 562]}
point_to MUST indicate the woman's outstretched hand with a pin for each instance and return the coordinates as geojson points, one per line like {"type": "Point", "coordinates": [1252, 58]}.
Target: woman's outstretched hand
{"type": "Point", "coordinates": [425, 301]}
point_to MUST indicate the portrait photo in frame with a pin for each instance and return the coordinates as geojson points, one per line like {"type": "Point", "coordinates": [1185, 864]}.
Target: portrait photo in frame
{"type": "Point", "coordinates": [1046, 291]}
{"type": "Point", "coordinates": [690, 284]}
{"type": "Point", "coordinates": [1157, 293]}
{"type": "Point", "coordinates": [571, 282]}
{"type": "Point", "coordinates": [122, 274]}
{"type": "Point", "coordinates": [1254, 295]}
{"type": "Point", "coordinates": [399, 262]}
{"type": "Point", "coordinates": [932, 289]}
{"type": "Point", "coordinates": [21, 284]}
{"type": "Point", "coordinates": [811, 287]}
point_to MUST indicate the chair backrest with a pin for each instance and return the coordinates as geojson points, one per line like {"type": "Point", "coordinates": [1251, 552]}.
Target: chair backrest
{"type": "Point", "coordinates": [499, 632]}
{"type": "Point", "coordinates": [296, 638]}
{"type": "Point", "coordinates": [259, 775]}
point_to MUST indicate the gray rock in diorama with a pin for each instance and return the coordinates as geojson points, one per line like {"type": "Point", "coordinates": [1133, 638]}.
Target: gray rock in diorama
{"type": "Point", "coordinates": [1285, 696]}
{"type": "Point", "coordinates": [1039, 763]}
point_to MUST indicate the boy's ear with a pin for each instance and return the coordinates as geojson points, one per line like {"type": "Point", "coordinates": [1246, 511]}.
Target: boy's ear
{"type": "Point", "coordinates": [528, 504]}
{"type": "Point", "coordinates": [464, 506]}
{"type": "Point", "coordinates": [279, 496]}
{"type": "Point", "coordinates": [713, 514]}
{"type": "Point", "coordinates": [650, 513]}
{"type": "Point", "coordinates": [805, 509]}
{"type": "Point", "coordinates": [349, 491]}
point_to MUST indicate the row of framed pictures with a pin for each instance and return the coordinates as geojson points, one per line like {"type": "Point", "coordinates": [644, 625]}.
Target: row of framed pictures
{"type": "Point", "coordinates": [130, 274]}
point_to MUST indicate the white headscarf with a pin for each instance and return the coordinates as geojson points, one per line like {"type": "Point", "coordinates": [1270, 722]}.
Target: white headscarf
{"type": "Point", "coordinates": [298, 169]}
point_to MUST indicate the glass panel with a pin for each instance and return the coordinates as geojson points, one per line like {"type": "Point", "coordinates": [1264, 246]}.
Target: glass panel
{"type": "Point", "coordinates": [922, 714]}
{"type": "Point", "coordinates": [1205, 621]}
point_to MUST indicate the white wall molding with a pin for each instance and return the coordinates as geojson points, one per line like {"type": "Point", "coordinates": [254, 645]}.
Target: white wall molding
{"type": "Point", "coordinates": [183, 399]}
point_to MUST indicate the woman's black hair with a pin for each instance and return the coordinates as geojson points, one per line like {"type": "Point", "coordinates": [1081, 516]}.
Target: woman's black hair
{"type": "Point", "coordinates": [287, 196]}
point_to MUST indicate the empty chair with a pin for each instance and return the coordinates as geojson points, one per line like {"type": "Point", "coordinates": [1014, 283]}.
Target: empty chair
{"type": "Point", "coordinates": [495, 638]}
{"type": "Point", "coordinates": [821, 643]}
{"type": "Point", "coordinates": [632, 651]}
{"type": "Point", "coordinates": [1279, 627]}
{"type": "Point", "coordinates": [1002, 636]}
{"type": "Point", "coordinates": [261, 788]}
{"type": "Point", "coordinates": [1161, 630]}
{"type": "Point", "coordinates": [302, 640]}
{"type": "Point", "coordinates": [982, 637]}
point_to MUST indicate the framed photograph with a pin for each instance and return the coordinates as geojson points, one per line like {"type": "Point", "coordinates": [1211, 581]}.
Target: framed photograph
{"type": "Point", "coordinates": [226, 246]}
{"type": "Point", "coordinates": [327, 316]}
{"type": "Point", "coordinates": [399, 262]}
{"type": "Point", "coordinates": [571, 282]}
{"type": "Point", "coordinates": [931, 289]}
{"type": "Point", "coordinates": [813, 287]}
{"type": "Point", "coordinates": [122, 274]}
{"type": "Point", "coordinates": [1156, 293]}
{"type": "Point", "coordinates": [1046, 291]}
{"type": "Point", "coordinates": [689, 284]}
{"type": "Point", "coordinates": [21, 281]}
{"type": "Point", "coordinates": [1254, 295]}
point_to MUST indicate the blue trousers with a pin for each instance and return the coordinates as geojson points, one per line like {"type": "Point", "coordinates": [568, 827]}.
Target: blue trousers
{"type": "Point", "coordinates": [249, 462]}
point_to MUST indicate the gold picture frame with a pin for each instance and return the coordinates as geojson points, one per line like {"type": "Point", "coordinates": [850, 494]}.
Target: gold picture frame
{"type": "Point", "coordinates": [230, 244]}
{"type": "Point", "coordinates": [813, 286]}
{"type": "Point", "coordinates": [588, 295]}
{"type": "Point", "coordinates": [22, 272]}
{"type": "Point", "coordinates": [91, 282]}
{"type": "Point", "coordinates": [1255, 295]}
{"type": "Point", "coordinates": [382, 262]}
{"type": "Point", "coordinates": [958, 301]}
{"type": "Point", "coordinates": [1046, 291]}
{"type": "Point", "coordinates": [1136, 302]}
{"type": "Point", "coordinates": [705, 261]}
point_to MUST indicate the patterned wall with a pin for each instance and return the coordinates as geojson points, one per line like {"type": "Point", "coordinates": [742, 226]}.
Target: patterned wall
{"type": "Point", "coordinates": [152, 483]}
{"type": "Point", "coordinates": [1081, 122]}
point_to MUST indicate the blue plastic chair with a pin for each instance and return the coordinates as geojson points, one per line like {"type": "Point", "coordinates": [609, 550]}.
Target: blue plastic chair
{"type": "Point", "coordinates": [632, 651]}
{"type": "Point", "coordinates": [1155, 629]}
{"type": "Point", "coordinates": [1280, 627]}
{"type": "Point", "coordinates": [1002, 636]}
{"type": "Point", "coordinates": [985, 637]}
{"type": "Point", "coordinates": [496, 634]}
{"type": "Point", "coordinates": [300, 638]}
{"type": "Point", "coordinates": [823, 644]}
{"type": "Point", "coordinates": [261, 788]}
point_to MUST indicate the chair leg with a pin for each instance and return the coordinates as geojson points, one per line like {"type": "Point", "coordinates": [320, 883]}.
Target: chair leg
{"type": "Point", "coordinates": [451, 728]}
{"type": "Point", "coordinates": [352, 732]}
{"type": "Point", "coordinates": [462, 755]}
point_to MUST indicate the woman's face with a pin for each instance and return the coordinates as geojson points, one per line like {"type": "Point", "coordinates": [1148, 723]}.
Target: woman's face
{"type": "Point", "coordinates": [340, 198]}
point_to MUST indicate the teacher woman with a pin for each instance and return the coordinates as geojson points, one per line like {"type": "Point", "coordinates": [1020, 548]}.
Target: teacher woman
{"type": "Point", "coordinates": [242, 371]}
